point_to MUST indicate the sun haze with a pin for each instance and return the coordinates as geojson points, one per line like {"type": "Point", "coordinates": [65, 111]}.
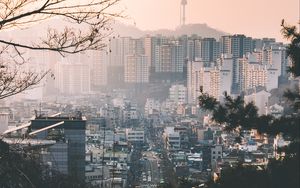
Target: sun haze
{"type": "Point", "coordinates": [256, 18]}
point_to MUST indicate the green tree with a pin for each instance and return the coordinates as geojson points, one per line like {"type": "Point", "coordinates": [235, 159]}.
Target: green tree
{"type": "Point", "coordinates": [238, 116]}
{"type": "Point", "coordinates": [293, 49]}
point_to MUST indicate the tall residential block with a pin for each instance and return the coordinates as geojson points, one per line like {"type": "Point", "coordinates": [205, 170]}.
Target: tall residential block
{"type": "Point", "coordinates": [148, 49]}
{"type": "Point", "coordinates": [195, 80]}
{"type": "Point", "coordinates": [99, 70]}
{"type": "Point", "coordinates": [252, 74]}
{"type": "Point", "coordinates": [209, 49]}
{"type": "Point", "coordinates": [169, 58]}
{"type": "Point", "coordinates": [136, 69]}
{"type": "Point", "coordinates": [73, 77]}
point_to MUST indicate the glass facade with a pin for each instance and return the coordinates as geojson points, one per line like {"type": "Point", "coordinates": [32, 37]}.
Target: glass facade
{"type": "Point", "coordinates": [68, 154]}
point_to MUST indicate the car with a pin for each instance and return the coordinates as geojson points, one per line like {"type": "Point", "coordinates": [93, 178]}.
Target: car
{"type": "Point", "coordinates": [144, 178]}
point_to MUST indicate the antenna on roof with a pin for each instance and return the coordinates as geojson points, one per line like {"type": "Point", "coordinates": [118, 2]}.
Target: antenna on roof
{"type": "Point", "coordinates": [40, 115]}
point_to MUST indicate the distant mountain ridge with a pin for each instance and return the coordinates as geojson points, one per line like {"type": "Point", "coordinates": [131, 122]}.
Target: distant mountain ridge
{"type": "Point", "coordinates": [202, 30]}
{"type": "Point", "coordinates": [37, 31]}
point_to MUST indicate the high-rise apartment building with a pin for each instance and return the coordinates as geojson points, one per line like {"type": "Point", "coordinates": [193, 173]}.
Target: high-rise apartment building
{"type": "Point", "coordinates": [260, 98]}
{"type": "Point", "coordinates": [240, 45]}
{"type": "Point", "coordinates": [209, 49]}
{"type": "Point", "coordinates": [267, 42]}
{"type": "Point", "coordinates": [99, 70]}
{"type": "Point", "coordinates": [225, 64]}
{"type": "Point", "coordinates": [148, 49]}
{"type": "Point", "coordinates": [276, 57]}
{"type": "Point", "coordinates": [214, 83]}
{"type": "Point", "coordinates": [219, 82]}
{"type": "Point", "coordinates": [194, 49]}
{"type": "Point", "coordinates": [257, 56]}
{"type": "Point", "coordinates": [225, 45]}
{"type": "Point", "coordinates": [136, 46]}
{"type": "Point", "coordinates": [183, 41]}
{"type": "Point", "coordinates": [73, 77]}
{"type": "Point", "coordinates": [195, 80]}
{"type": "Point", "coordinates": [259, 44]}
{"type": "Point", "coordinates": [169, 58]}
{"type": "Point", "coordinates": [118, 50]}
{"type": "Point", "coordinates": [252, 74]}
{"type": "Point", "coordinates": [156, 41]}
{"type": "Point", "coordinates": [225, 81]}
{"type": "Point", "coordinates": [136, 69]}
{"type": "Point", "coordinates": [212, 80]}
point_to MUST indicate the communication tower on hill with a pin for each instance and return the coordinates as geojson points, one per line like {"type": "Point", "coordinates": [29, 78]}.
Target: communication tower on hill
{"type": "Point", "coordinates": [182, 12]}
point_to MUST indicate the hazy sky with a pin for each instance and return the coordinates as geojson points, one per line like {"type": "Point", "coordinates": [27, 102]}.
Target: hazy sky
{"type": "Point", "coordinates": [256, 18]}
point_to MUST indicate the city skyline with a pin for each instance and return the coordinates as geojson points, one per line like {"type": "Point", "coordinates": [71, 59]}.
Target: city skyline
{"type": "Point", "coordinates": [256, 18]}
{"type": "Point", "coordinates": [187, 93]}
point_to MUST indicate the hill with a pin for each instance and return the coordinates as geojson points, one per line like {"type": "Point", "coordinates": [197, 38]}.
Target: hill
{"type": "Point", "coordinates": [202, 30]}
{"type": "Point", "coordinates": [35, 32]}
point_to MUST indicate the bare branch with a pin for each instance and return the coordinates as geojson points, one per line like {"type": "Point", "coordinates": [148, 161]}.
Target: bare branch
{"type": "Point", "coordinates": [86, 24]}
{"type": "Point", "coordinates": [90, 23]}
{"type": "Point", "coordinates": [14, 81]}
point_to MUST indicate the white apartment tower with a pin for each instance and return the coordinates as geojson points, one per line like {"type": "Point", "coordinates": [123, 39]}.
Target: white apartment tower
{"type": "Point", "coordinates": [219, 82]}
{"type": "Point", "coordinates": [276, 57]}
{"type": "Point", "coordinates": [214, 83]}
{"type": "Point", "coordinates": [198, 77]}
{"type": "Point", "coordinates": [260, 99]}
{"type": "Point", "coordinates": [225, 82]}
{"type": "Point", "coordinates": [225, 45]}
{"type": "Point", "coordinates": [251, 74]}
{"type": "Point", "coordinates": [194, 80]}
{"type": "Point", "coordinates": [73, 75]}
{"type": "Point", "coordinates": [99, 68]}
{"type": "Point", "coordinates": [225, 64]}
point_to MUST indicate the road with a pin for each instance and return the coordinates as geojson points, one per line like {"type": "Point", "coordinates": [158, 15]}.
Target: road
{"type": "Point", "coordinates": [155, 171]}
{"type": "Point", "coordinates": [152, 166]}
{"type": "Point", "coordinates": [150, 176]}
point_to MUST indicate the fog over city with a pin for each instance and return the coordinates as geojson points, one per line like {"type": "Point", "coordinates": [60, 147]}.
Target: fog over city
{"type": "Point", "coordinates": [140, 93]}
